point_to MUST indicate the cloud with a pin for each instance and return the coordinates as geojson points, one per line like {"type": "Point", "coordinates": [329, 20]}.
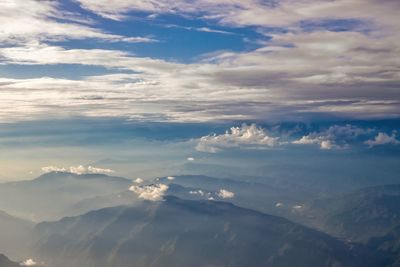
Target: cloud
{"type": "Point", "coordinates": [80, 169]}
{"type": "Point", "coordinates": [53, 169]}
{"type": "Point", "coordinates": [336, 136]}
{"type": "Point", "coordinates": [383, 139]}
{"type": "Point", "coordinates": [252, 12]}
{"type": "Point", "coordinates": [92, 169]}
{"type": "Point", "coordinates": [246, 136]}
{"type": "Point", "coordinates": [138, 180]}
{"type": "Point", "coordinates": [197, 192]}
{"type": "Point", "coordinates": [297, 74]}
{"type": "Point", "coordinates": [27, 21]}
{"type": "Point", "coordinates": [225, 194]}
{"type": "Point", "coordinates": [297, 207]}
{"type": "Point", "coordinates": [153, 192]}
{"type": "Point", "coordinates": [29, 262]}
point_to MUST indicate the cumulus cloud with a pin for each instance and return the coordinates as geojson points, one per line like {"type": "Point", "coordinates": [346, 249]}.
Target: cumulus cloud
{"type": "Point", "coordinates": [138, 180]}
{"type": "Point", "coordinates": [29, 262]}
{"type": "Point", "coordinates": [197, 192]}
{"type": "Point", "coordinates": [336, 136]}
{"type": "Point", "coordinates": [80, 169]}
{"type": "Point", "coordinates": [246, 136]}
{"type": "Point", "coordinates": [153, 192]}
{"type": "Point", "coordinates": [225, 194]}
{"type": "Point", "coordinates": [383, 139]}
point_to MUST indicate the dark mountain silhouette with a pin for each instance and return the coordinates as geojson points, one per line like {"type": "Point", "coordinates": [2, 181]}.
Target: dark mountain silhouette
{"type": "Point", "coordinates": [6, 262]}
{"type": "Point", "coordinates": [366, 213]}
{"type": "Point", "coordinates": [178, 232]}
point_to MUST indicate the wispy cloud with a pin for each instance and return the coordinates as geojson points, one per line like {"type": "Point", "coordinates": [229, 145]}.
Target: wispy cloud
{"type": "Point", "coordinates": [27, 21]}
{"type": "Point", "coordinates": [296, 74]}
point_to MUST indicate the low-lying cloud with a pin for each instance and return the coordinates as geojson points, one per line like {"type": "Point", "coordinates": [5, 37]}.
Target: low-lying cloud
{"type": "Point", "coordinates": [29, 262]}
{"type": "Point", "coordinates": [225, 194]}
{"type": "Point", "coordinates": [80, 169]}
{"type": "Point", "coordinates": [153, 192]}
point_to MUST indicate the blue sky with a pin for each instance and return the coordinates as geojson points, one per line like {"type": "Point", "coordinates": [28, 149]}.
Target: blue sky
{"type": "Point", "coordinates": [182, 70]}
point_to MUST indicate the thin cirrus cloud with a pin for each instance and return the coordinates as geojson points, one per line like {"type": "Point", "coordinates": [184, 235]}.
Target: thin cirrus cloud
{"type": "Point", "coordinates": [26, 21]}
{"type": "Point", "coordinates": [297, 74]}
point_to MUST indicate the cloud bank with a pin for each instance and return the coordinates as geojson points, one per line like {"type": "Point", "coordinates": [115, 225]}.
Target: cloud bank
{"type": "Point", "coordinates": [80, 169]}
{"type": "Point", "coordinates": [333, 137]}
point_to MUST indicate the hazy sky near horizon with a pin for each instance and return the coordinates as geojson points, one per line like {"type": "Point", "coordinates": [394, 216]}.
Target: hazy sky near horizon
{"type": "Point", "coordinates": [246, 87]}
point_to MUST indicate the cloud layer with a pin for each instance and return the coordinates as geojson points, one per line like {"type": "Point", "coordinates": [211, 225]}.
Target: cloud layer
{"type": "Point", "coordinates": [332, 137]}
{"type": "Point", "coordinates": [301, 66]}
{"type": "Point", "coordinates": [80, 169]}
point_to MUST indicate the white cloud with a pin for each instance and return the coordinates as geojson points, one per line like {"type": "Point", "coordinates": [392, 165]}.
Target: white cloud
{"type": "Point", "coordinates": [92, 169]}
{"type": "Point", "coordinates": [383, 139]}
{"type": "Point", "coordinates": [297, 207]}
{"type": "Point", "coordinates": [28, 21]}
{"type": "Point", "coordinates": [335, 136]}
{"type": "Point", "coordinates": [28, 262]}
{"type": "Point", "coordinates": [225, 194]}
{"type": "Point", "coordinates": [153, 192]}
{"type": "Point", "coordinates": [138, 180]}
{"type": "Point", "coordinates": [80, 169]}
{"type": "Point", "coordinates": [253, 12]}
{"type": "Point", "coordinates": [53, 169]}
{"type": "Point", "coordinates": [197, 192]}
{"type": "Point", "coordinates": [246, 136]}
{"type": "Point", "coordinates": [294, 75]}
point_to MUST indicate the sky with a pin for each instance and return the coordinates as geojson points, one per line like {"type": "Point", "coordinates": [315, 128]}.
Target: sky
{"type": "Point", "coordinates": [141, 87]}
